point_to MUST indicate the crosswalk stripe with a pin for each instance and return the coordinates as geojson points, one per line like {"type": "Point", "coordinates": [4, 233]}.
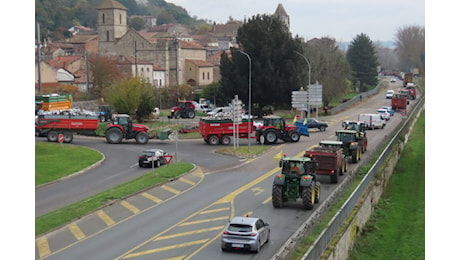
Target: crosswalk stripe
{"type": "Point", "coordinates": [106, 218]}
{"type": "Point", "coordinates": [76, 231]}
{"type": "Point", "coordinates": [151, 197]}
{"type": "Point", "coordinates": [170, 189]}
{"type": "Point", "coordinates": [43, 247]}
{"type": "Point", "coordinates": [129, 206]}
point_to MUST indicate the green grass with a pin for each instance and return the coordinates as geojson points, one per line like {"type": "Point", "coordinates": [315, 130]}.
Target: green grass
{"type": "Point", "coordinates": [54, 160]}
{"type": "Point", "coordinates": [396, 229]}
{"type": "Point", "coordinates": [76, 210]}
{"type": "Point", "coordinates": [243, 151]}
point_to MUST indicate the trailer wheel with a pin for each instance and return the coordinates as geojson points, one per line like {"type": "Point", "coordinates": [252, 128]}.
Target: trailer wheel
{"type": "Point", "coordinates": [68, 137]}
{"type": "Point", "coordinates": [52, 136]}
{"type": "Point", "coordinates": [317, 191]}
{"type": "Point", "coordinates": [213, 139]}
{"type": "Point", "coordinates": [225, 140]}
{"type": "Point", "coordinates": [142, 138]}
{"type": "Point", "coordinates": [308, 197]}
{"type": "Point", "coordinates": [294, 136]}
{"type": "Point", "coordinates": [113, 136]}
{"type": "Point", "coordinates": [277, 196]}
{"type": "Point", "coordinates": [270, 137]}
{"type": "Point", "coordinates": [335, 176]}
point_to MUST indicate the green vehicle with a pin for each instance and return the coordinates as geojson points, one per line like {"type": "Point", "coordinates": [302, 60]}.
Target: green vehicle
{"type": "Point", "coordinates": [296, 180]}
{"type": "Point", "coordinates": [353, 143]}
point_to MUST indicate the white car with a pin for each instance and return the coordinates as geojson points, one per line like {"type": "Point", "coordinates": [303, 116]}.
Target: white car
{"type": "Point", "coordinates": [389, 94]}
{"type": "Point", "coordinates": [392, 80]}
{"type": "Point", "coordinates": [219, 111]}
{"type": "Point", "coordinates": [384, 113]}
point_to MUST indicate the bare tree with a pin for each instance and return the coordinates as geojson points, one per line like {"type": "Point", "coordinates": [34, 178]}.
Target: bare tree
{"type": "Point", "coordinates": [410, 46]}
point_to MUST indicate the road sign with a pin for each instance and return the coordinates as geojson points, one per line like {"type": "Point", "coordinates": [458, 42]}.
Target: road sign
{"type": "Point", "coordinates": [61, 138]}
{"type": "Point", "coordinates": [168, 158]}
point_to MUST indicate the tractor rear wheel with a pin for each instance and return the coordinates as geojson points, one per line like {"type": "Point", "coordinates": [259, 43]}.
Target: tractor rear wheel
{"type": "Point", "coordinates": [191, 114]}
{"type": "Point", "coordinates": [52, 136]}
{"type": "Point", "coordinates": [177, 115]}
{"type": "Point", "coordinates": [354, 156]}
{"type": "Point", "coordinates": [270, 137]}
{"type": "Point", "coordinates": [307, 197]}
{"type": "Point", "coordinates": [317, 191]}
{"type": "Point", "coordinates": [294, 136]}
{"type": "Point", "coordinates": [113, 136]}
{"type": "Point", "coordinates": [142, 138]}
{"type": "Point", "coordinates": [344, 166]}
{"type": "Point", "coordinates": [225, 140]}
{"type": "Point", "coordinates": [213, 139]}
{"type": "Point", "coordinates": [277, 196]}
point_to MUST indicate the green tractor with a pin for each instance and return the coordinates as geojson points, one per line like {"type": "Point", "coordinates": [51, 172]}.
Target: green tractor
{"type": "Point", "coordinates": [296, 180]}
{"type": "Point", "coordinates": [353, 143]}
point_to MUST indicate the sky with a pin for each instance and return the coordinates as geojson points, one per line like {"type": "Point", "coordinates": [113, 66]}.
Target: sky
{"type": "Point", "coordinates": [342, 20]}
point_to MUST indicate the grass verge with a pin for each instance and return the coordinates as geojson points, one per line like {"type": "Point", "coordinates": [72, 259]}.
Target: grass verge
{"type": "Point", "coordinates": [76, 210]}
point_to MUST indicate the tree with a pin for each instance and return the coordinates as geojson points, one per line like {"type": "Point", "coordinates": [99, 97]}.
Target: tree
{"type": "Point", "coordinates": [410, 46]}
{"type": "Point", "coordinates": [276, 69]}
{"type": "Point", "coordinates": [133, 96]}
{"type": "Point", "coordinates": [104, 73]}
{"type": "Point", "coordinates": [137, 23]}
{"type": "Point", "coordinates": [329, 67]}
{"type": "Point", "coordinates": [363, 61]}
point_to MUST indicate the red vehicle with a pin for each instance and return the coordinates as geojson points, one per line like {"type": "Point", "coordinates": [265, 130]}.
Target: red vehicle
{"type": "Point", "coordinates": [220, 131]}
{"type": "Point", "coordinates": [399, 101]}
{"type": "Point", "coordinates": [330, 161]}
{"type": "Point", "coordinates": [412, 92]}
{"type": "Point", "coordinates": [52, 126]}
{"type": "Point", "coordinates": [274, 128]}
{"type": "Point", "coordinates": [122, 127]}
{"type": "Point", "coordinates": [184, 109]}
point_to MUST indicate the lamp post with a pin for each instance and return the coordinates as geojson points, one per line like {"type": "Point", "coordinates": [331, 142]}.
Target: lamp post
{"type": "Point", "coordinates": [309, 77]}
{"type": "Point", "coordinates": [249, 99]}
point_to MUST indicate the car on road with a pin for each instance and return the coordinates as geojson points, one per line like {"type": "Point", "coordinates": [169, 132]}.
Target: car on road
{"type": "Point", "coordinates": [389, 110]}
{"type": "Point", "coordinates": [315, 123]}
{"type": "Point", "coordinates": [219, 111]}
{"type": "Point", "coordinates": [389, 94]}
{"type": "Point", "coordinates": [392, 80]}
{"type": "Point", "coordinates": [245, 233]}
{"type": "Point", "coordinates": [152, 158]}
{"type": "Point", "coordinates": [384, 113]}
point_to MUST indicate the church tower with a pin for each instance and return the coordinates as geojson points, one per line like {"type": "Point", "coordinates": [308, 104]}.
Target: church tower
{"type": "Point", "coordinates": [112, 23]}
{"type": "Point", "coordinates": [281, 14]}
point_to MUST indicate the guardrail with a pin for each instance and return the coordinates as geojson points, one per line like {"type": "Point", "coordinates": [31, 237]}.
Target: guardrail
{"type": "Point", "coordinates": [323, 240]}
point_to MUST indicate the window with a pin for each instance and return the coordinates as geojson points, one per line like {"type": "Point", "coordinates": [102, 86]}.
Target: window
{"type": "Point", "coordinates": [203, 75]}
{"type": "Point", "coordinates": [108, 38]}
{"type": "Point", "coordinates": [208, 75]}
{"type": "Point", "coordinates": [120, 19]}
{"type": "Point", "coordinates": [103, 18]}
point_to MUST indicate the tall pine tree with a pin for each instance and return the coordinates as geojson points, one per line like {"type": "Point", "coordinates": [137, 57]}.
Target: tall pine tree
{"type": "Point", "coordinates": [362, 57]}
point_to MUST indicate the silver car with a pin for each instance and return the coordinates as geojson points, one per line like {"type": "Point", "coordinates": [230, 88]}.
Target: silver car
{"type": "Point", "coordinates": [245, 233]}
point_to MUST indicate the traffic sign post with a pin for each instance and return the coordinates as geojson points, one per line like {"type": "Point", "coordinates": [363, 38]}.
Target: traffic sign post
{"type": "Point", "coordinates": [168, 158]}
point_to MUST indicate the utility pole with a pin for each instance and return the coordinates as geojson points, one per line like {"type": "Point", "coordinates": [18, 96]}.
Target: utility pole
{"type": "Point", "coordinates": [39, 60]}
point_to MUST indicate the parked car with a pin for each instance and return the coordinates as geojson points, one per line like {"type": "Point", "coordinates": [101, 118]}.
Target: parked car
{"type": "Point", "coordinates": [219, 111]}
{"type": "Point", "coordinates": [152, 158]}
{"type": "Point", "coordinates": [392, 80]}
{"type": "Point", "coordinates": [384, 113]}
{"type": "Point", "coordinates": [389, 110]}
{"type": "Point", "coordinates": [201, 108]}
{"type": "Point", "coordinates": [245, 233]}
{"type": "Point", "coordinates": [389, 94]}
{"type": "Point", "coordinates": [315, 123]}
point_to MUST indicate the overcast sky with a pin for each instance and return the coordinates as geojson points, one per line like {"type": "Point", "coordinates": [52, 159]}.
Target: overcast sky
{"type": "Point", "coordinates": [339, 19]}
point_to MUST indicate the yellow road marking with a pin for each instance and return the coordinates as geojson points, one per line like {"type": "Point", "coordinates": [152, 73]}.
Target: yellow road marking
{"type": "Point", "coordinates": [165, 187]}
{"type": "Point", "coordinates": [257, 190]}
{"type": "Point", "coordinates": [176, 258]}
{"type": "Point", "coordinates": [214, 210]}
{"type": "Point", "coordinates": [106, 218]}
{"type": "Point", "coordinates": [129, 206]}
{"type": "Point", "coordinates": [186, 181]}
{"type": "Point", "coordinates": [151, 197]}
{"type": "Point", "coordinates": [76, 231]}
{"type": "Point", "coordinates": [166, 248]}
{"type": "Point", "coordinates": [43, 247]}
{"type": "Point", "coordinates": [202, 221]}
{"type": "Point", "coordinates": [188, 233]}
{"type": "Point", "coordinates": [267, 200]}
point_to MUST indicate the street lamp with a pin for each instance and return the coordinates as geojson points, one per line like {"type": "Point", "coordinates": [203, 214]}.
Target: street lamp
{"type": "Point", "coordinates": [309, 77]}
{"type": "Point", "coordinates": [249, 99]}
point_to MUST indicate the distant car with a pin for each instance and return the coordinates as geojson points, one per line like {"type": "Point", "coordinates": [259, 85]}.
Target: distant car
{"type": "Point", "coordinates": [152, 158]}
{"type": "Point", "coordinates": [314, 123]}
{"type": "Point", "coordinates": [384, 113]}
{"type": "Point", "coordinates": [389, 94]}
{"type": "Point", "coordinates": [389, 110]}
{"type": "Point", "coordinates": [219, 111]}
{"type": "Point", "coordinates": [245, 233]}
{"type": "Point", "coordinates": [392, 80]}
{"type": "Point", "coordinates": [201, 108]}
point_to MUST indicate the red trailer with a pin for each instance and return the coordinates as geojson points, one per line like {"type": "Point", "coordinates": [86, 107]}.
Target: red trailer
{"type": "Point", "coordinates": [331, 161]}
{"type": "Point", "coordinates": [216, 131]}
{"type": "Point", "coordinates": [52, 126]}
{"type": "Point", "coordinates": [399, 101]}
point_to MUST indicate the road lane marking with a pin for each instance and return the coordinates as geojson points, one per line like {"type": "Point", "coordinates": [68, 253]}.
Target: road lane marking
{"type": "Point", "coordinates": [165, 187]}
{"type": "Point", "coordinates": [214, 210]}
{"type": "Point", "coordinates": [188, 233]}
{"type": "Point", "coordinates": [151, 197]}
{"type": "Point", "coordinates": [129, 206]}
{"type": "Point", "coordinates": [267, 200]}
{"type": "Point", "coordinates": [166, 248]}
{"type": "Point", "coordinates": [104, 217]}
{"type": "Point", "coordinates": [43, 247]}
{"type": "Point", "coordinates": [257, 190]}
{"type": "Point", "coordinates": [76, 231]}
{"type": "Point", "coordinates": [202, 221]}
{"type": "Point", "coordinates": [182, 179]}
{"type": "Point", "coordinates": [176, 258]}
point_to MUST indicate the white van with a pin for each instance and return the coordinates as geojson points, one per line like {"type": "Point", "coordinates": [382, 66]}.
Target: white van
{"type": "Point", "coordinates": [372, 121]}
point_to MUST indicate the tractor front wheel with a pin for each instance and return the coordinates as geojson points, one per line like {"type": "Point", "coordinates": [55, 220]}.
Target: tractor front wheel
{"type": "Point", "coordinates": [142, 138]}
{"type": "Point", "coordinates": [113, 136]}
{"type": "Point", "coordinates": [277, 196]}
{"type": "Point", "coordinates": [294, 136]}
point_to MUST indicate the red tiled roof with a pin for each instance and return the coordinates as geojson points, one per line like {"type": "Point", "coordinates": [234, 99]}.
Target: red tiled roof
{"type": "Point", "coordinates": [191, 45]}
{"type": "Point", "coordinates": [63, 61]}
{"type": "Point", "coordinates": [158, 68]}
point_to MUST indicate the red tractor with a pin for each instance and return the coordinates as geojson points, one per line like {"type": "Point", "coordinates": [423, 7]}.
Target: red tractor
{"type": "Point", "coordinates": [274, 128]}
{"type": "Point", "coordinates": [122, 127]}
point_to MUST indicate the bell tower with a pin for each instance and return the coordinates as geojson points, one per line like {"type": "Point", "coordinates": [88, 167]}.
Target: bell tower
{"type": "Point", "coordinates": [112, 23]}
